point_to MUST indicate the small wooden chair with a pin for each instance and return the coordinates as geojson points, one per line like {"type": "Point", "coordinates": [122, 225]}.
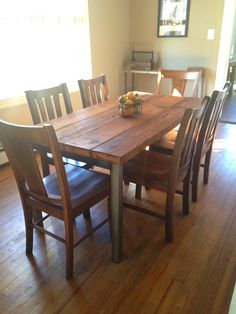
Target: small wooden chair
{"type": "Point", "coordinates": [200, 92]}
{"type": "Point", "coordinates": [93, 91]}
{"type": "Point", "coordinates": [64, 194]}
{"type": "Point", "coordinates": [206, 138]}
{"type": "Point", "coordinates": [45, 105]}
{"type": "Point", "coordinates": [213, 107]}
{"type": "Point", "coordinates": [165, 172]}
{"type": "Point", "coordinates": [178, 82]}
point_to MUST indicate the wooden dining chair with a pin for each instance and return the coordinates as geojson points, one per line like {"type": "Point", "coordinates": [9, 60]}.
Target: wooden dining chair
{"type": "Point", "coordinates": [93, 91]}
{"type": "Point", "coordinates": [210, 117]}
{"type": "Point", "coordinates": [178, 82]}
{"type": "Point", "coordinates": [49, 103]}
{"type": "Point", "coordinates": [206, 138]}
{"type": "Point", "coordinates": [45, 105]}
{"type": "Point", "coordinates": [64, 194]}
{"type": "Point", "coordinates": [165, 172]}
{"type": "Point", "coordinates": [200, 91]}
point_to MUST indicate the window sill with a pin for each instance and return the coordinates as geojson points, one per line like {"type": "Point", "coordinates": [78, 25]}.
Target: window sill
{"type": "Point", "coordinates": [12, 102]}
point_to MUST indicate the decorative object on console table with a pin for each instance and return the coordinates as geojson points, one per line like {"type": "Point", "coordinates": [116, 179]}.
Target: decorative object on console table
{"type": "Point", "coordinates": [173, 18]}
{"type": "Point", "coordinates": [142, 60]}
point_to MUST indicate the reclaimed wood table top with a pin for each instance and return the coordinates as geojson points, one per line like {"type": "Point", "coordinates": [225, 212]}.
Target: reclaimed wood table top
{"type": "Point", "coordinates": [99, 132]}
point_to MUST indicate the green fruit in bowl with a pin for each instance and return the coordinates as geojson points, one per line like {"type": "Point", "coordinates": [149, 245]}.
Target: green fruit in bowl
{"type": "Point", "coordinates": [122, 100]}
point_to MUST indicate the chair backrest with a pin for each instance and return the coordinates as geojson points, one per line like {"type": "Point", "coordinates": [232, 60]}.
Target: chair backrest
{"type": "Point", "coordinates": [200, 91]}
{"type": "Point", "coordinates": [210, 120]}
{"type": "Point", "coordinates": [178, 82]}
{"type": "Point", "coordinates": [50, 103]}
{"type": "Point", "coordinates": [93, 91]}
{"type": "Point", "coordinates": [185, 143]}
{"type": "Point", "coordinates": [19, 142]}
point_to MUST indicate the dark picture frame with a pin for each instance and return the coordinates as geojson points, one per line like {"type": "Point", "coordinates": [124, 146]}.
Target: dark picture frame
{"type": "Point", "coordinates": [173, 18]}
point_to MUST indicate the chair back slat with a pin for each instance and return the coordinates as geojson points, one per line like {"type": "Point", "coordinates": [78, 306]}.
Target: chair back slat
{"type": "Point", "coordinates": [185, 143]}
{"type": "Point", "coordinates": [190, 145]}
{"type": "Point", "coordinates": [19, 143]}
{"type": "Point", "coordinates": [46, 104]}
{"type": "Point", "coordinates": [40, 108]}
{"type": "Point", "coordinates": [179, 82]}
{"type": "Point", "coordinates": [49, 106]}
{"type": "Point", "coordinates": [56, 100]}
{"type": "Point", "coordinates": [93, 91]}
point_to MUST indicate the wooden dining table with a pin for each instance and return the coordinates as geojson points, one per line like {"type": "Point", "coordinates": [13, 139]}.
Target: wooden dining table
{"type": "Point", "coordinates": [100, 134]}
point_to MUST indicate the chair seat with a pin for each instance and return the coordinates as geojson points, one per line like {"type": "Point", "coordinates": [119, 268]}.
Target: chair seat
{"type": "Point", "coordinates": [148, 168]}
{"type": "Point", "coordinates": [85, 186]}
{"type": "Point", "coordinates": [166, 143]}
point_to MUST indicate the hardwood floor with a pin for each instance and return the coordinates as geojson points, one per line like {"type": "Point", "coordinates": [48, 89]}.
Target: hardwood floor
{"type": "Point", "coordinates": [194, 274]}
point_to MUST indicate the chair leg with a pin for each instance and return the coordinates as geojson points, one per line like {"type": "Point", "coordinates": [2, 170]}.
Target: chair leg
{"type": "Point", "coordinates": [195, 176]}
{"type": "Point", "coordinates": [207, 167]}
{"type": "Point", "coordinates": [138, 191]}
{"type": "Point", "coordinates": [86, 214]}
{"type": "Point", "coordinates": [169, 217]}
{"type": "Point", "coordinates": [186, 184]}
{"type": "Point", "coordinates": [69, 249]}
{"type": "Point", "coordinates": [28, 230]}
{"type": "Point", "coordinates": [109, 215]}
{"type": "Point", "coordinates": [45, 164]}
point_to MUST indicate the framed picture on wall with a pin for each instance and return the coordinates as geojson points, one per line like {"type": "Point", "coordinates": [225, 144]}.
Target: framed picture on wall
{"type": "Point", "coordinates": [173, 16]}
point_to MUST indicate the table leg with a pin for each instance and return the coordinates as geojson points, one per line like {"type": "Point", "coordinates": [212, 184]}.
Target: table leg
{"type": "Point", "coordinates": [126, 81]}
{"type": "Point", "coordinates": [132, 81]}
{"type": "Point", "coordinates": [116, 203]}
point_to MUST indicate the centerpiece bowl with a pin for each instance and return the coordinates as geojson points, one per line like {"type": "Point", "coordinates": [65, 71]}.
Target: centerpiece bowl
{"type": "Point", "coordinates": [130, 104]}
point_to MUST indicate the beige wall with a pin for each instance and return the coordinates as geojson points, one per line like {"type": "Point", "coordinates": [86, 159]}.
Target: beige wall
{"type": "Point", "coordinates": [179, 53]}
{"type": "Point", "coordinates": [109, 30]}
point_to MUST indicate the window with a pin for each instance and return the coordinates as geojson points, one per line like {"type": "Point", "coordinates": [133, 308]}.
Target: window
{"type": "Point", "coordinates": [43, 43]}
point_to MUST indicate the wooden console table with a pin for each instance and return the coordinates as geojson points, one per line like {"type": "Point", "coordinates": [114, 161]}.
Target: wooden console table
{"type": "Point", "coordinates": [133, 72]}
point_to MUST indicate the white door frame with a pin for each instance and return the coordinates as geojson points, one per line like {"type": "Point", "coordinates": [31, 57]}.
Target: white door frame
{"type": "Point", "coordinates": [225, 43]}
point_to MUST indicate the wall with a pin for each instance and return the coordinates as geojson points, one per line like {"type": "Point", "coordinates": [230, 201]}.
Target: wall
{"type": "Point", "coordinates": [179, 53]}
{"type": "Point", "coordinates": [109, 34]}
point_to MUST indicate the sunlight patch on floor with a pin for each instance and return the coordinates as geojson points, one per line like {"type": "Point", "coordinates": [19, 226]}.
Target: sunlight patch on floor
{"type": "Point", "coordinates": [232, 309]}
{"type": "Point", "coordinates": [224, 144]}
